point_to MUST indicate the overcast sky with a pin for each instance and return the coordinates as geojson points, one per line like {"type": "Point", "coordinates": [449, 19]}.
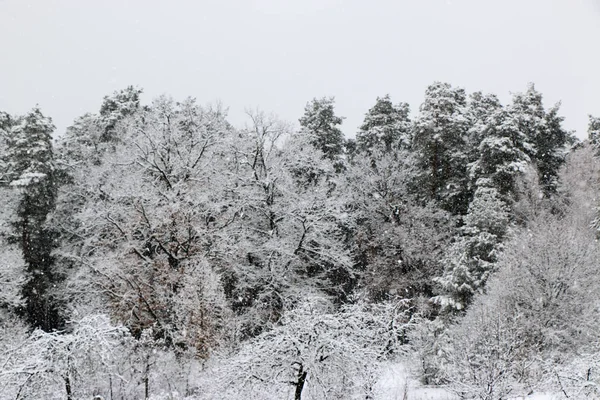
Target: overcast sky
{"type": "Point", "coordinates": [65, 55]}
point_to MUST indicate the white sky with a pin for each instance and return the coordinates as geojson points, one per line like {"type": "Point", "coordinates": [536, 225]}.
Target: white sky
{"type": "Point", "coordinates": [66, 55]}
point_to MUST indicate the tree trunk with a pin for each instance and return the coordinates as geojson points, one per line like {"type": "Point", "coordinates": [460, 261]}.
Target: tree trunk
{"type": "Point", "coordinates": [68, 387]}
{"type": "Point", "coordinates": [147, 380]}
{"type": "Point", "coordinates": [300, 383]}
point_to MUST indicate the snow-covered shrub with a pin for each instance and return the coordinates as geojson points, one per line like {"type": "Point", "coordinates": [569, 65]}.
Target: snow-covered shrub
{"type": "Point", "coordinates": [58, 365]}
{"type": "Point", "coordinates": [580, 378]}
{"type": "Point", "coordinates": [314, 352]}
{"type": "Point", "coordinates": [428, 342]}
{"type": "Point", "coordinates": [487, 355]}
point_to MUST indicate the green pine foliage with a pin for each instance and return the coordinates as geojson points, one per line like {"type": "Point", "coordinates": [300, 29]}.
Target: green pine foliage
{"type": "Point", "coordinates": [540, 135]}
{"type": "Point", "coordinates": [470, 261]}
{"type": "Point", "coordinates": [594, 131]}
{"type": "Point", "coordinates": [322, 124]}
{"type": "Point", "coordinates": [30, 169]}
{"type": "Point", "coordinates": [439, 142]}
{"type": "Point", "coordinates": [386, 126]}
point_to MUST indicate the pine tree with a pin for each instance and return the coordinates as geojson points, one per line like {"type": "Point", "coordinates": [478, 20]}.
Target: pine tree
{"type": "Point", "coordinates": [440, 145]}
{"type": "Point", "coordinates": [320, 121]}
{"type": "Point", "coordinates": [471, 259]}
{"type": "Point", "coordinates": [594, 131]}
{"type": "Point", "coordinates": [386, 126]}
{"type": "Point", "coordinates": [551, 149]}
{"type": "Point", "coordinates": [480, 109]}
{"type": "Point", "coordinates": [82, 142]}
{"type": "Point", "coordinates": [5, 124]}
{"type": "Point", "coordinates": [117, 106]}
{"type": "Point", "coordinates": [544, 138]}
{"type": "Point", "coordinates": [500, 156]}
{"type": "Point", "coordinates": [30, 169]}
{"type": "Point", "coordinates": [528, 113]}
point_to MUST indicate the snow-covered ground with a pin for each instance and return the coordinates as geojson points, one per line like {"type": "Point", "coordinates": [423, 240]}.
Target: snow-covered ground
{"type": "Point", "coordinates": [396, 383]}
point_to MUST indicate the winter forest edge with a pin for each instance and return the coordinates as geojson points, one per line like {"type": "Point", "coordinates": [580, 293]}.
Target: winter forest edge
{"type": "Point", "coordinates": [158, 252]}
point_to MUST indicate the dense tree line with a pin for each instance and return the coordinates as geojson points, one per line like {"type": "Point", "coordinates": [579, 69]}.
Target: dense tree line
{"type": "Point", "coordinates": [165, 234]}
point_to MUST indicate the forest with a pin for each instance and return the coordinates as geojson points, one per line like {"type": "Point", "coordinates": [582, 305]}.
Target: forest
{"type": "Point", "coordinates": [156, 251]}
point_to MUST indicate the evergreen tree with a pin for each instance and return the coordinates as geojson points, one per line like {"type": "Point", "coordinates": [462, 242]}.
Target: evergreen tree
{"type": "Point", "coordinates": [5, 124]}
{"type": "Point", "coordinates": [594, 131]}
{"type": "Point", "coordinates": [92, 134]}
{"type": "Point", "coordinates": [6, 121]}
{"type": "Point", "coordinates": [30, 168]}
{"type": "Point", "coordinates": [386, 126]}
{"type": "Point", "coordinates": [470, 260]}
{"type": "Point", "coordinates": [544, 139]}
{"type": "Point", "coordinates": [551, 149]}
{"type": "Point", "coordinates": [480, 109]}
{"type": "Point", "coordinates": [82, 142]}
{"type": "Point", "coordinates": [440, 145]}
{"type": "Point", "coordinates": [350, 148]}
{"type": "Point", "coordinates": [117, 106]}
{"type": "Point", "coordinates": [528, 113]}
{"type": "Point", "coordinates": [500, 156]}
{"type": "Point", "coordinates": [320, 121]}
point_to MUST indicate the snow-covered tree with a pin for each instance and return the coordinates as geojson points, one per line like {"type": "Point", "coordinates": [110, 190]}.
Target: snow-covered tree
{"type": "Point", "coordinates": [56, 365]}
{"type": "Point", "coordinates": [316, 351]}
{"type": "Point", "coordinates": [480, 108]}
{"type": "Point", "coordinates": [552, 149]}
{"type": "Point", "coordinates": [395, 240]}
{"type": "Point", "coordinates": [536, 313]}
{"type": "Point", "coordinates": [579, 184]}
{"type": "Point", "coordinates": [594, 130]}
{"type": "Point", "coordinates": [5, 125]}
{"type": "Point", "coordinates": [140, 226]}
{"type": "Point", "coordinates": [116, 107]}
{"type": "Point", "coordinates": [83, 142]}
{"type": "Point", "coordinates": [30, 169]}
{"type": "Point", "coordinates": [496, 146]}
{"type": "Point", "coordinates": [579, 378]}
{"type": "Point", "coordinates": [321, 123]}
{"type": "Point", "coordinates": [184, 198]}
{"type": "Point", "coordinates": [386, 126]}
{"type": "Point", "coordinates": [12, 277]}
{"type": "Point", "coordinates": [12, 268]}
{"type": "Point", "coordinates": [5, 121]}
{"type": "Point", "coordinates": [486, 359]}
{"type": "Point", "coordinates": [29, 149]}
{"type": "Point", "coordinates": [501, 159]}
{"type": "Point", "coordinates": [540, 131]}
{"type": "Point", "coordinates": [439, 141]}
{"type": "Point", "coordinates": [91, 134]}
{"type": "Point", "coordinates": [287, 237]}
{"type": "Point", "coordinates": [471, 258]}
